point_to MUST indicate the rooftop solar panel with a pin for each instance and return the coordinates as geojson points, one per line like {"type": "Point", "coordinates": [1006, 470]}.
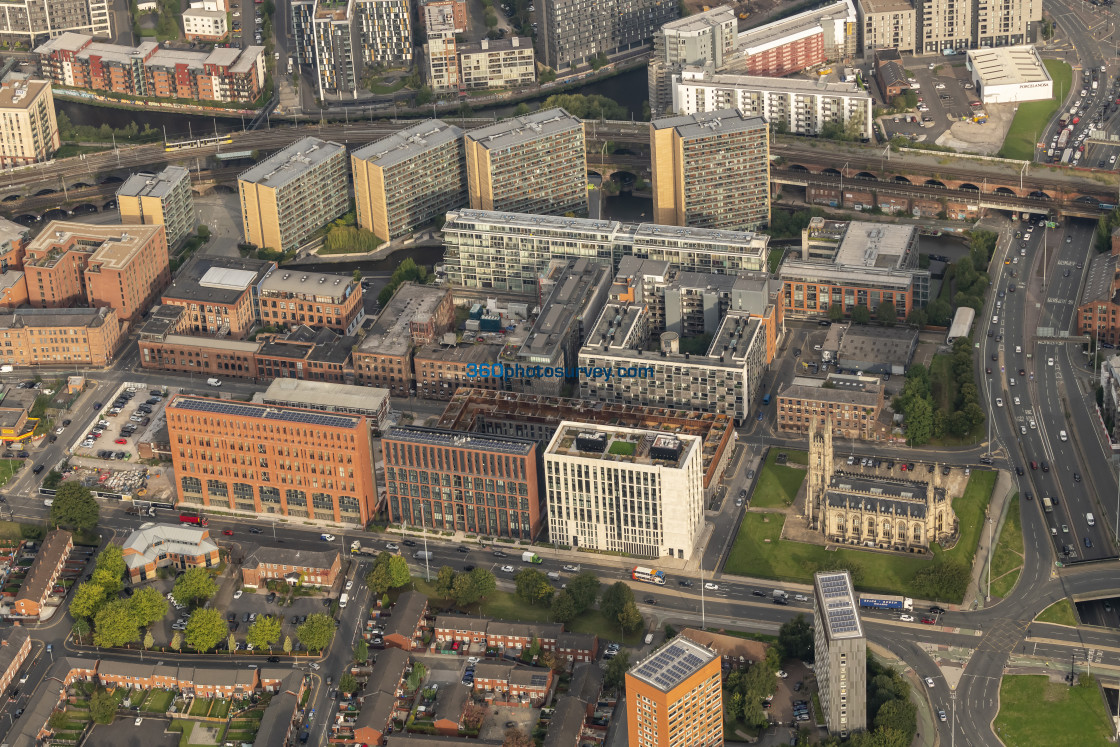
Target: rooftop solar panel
{"type": "Point", "coordinates": [671, 665]}
{"type": "Point", "coordinates": [267, 412]}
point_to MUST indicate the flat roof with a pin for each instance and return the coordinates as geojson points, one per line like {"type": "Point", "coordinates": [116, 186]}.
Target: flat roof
{"type": "Point", "coordinates": [524, 129]}
{"type": "Point", "coordinates": [567, 301]}
{"type": "Point", "coordinates": [289, 164]}
{"type": "Point", "coordinates": [391, 333]}
{"type": "Point", "coordinates": [700, 21]}
{"type": "Point", "coordinates": [408, 143]}
{"type": "Point", "coordinates": [21, 94]}
{"type": "Point", "coordinates": [221, 280]}
{"type": "Point", "coordinates": [885, 245]}
{"type": "Point", "coordinates": [785, 30]}
{"type": "Point", "coordinates": [263, 412]}
{"type": "Point", "coordinates": [508, 44]}
{"type": "Point", "coordinates": [54, 318]}
{"type": "Point", "coordinates": [886, 6]}
{"type": "Point", "coordinates": [837, 605]}
{"type": "Point", "coordinates": [282, 281]}
{"type": "Point", "coordinates": [189, 341]}
{"type": "Point", "coordinates": [672, 664]}
{"type": "Point", "coordinates": [12, 232]}
{"type": "Point", "coordinates": [859, 394]}
{"type": "Point", "coordinates": [621, 444]}
{"type": "Point", "coordinates": [815, 271]}
{"type": "Point", "coordinates": [1098, 283]}
{"type": "Point", "coordinates": [879, 344]}
{"type": "Point", "coordinates": [822, 87]}
{"type": "Point", "coordinates": [153, 185]}
{"type": "Point", "coordinates": [705, 124]}
{"type": "Point", "coordinates": [117, 245]}
{"type": "Point", "coordinates": [459, 440]}
{"type": "Point", "coordinates": [325, 395]}
{"type": "Point", "coordinates": [1003, 66]}
{"type": "Point", "coordinates": [462, 353]}
{"type": "Point", "coordinates": [203, 13]}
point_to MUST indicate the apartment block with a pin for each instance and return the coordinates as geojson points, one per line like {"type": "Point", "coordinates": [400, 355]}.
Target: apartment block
{"type": "Point", "coordinates": [292, 298]}
{"type": "Point", "coordinates": [536, 163]}
{"type": "Point", "coordinates": [441, 368]}
{"type": "Point", "coordinates": [804, 107]}
{"type": "Point", "coordinates": [71, 264]}
{"type": "Point", "coordinates": [707, 38]}
{"type": "Point", "coordinates": [201, 24]}
{"type": "Point", "coordinates": [409, 179]}
{"type": "Point", "coordinates": [336, 47]}
{"type": "Point", "coordinates": [386, 32]}
{"type": "Point", "coordinates": [28, 22]}
{"type": "Point", "coordinates": [219, 296]}
{"type": "Point", "coordinates": [154, 546]}
{"type": "Point", "coordinates": [804, 40]}
{"type": "Point", "coordinates": [944, 24]}
{"type": "Point", "coordinates": [886, 24]}
{"type": "Point", "coordinates": [444, 15]}
{"type": "Point", "coordinates": [343, 38]}
{"type": "Point", "coordinates": [301, 16]}
{"type": "Point", "coordinates": [45, 337]}
{"type": "Point", "coordinates": [851, 403]}
{"type": "Point", "coordinates": [13, 243]}
{"type": "Point", "coordinates": [853, 264]}
{"type": "Point", "coordinates": [537, 417]}
{"type": "Point", "coordinates": [294, 567]}
{"type": "Point", "coordinates": [292, 194]}
{"type": "Point", "coordinates": [30, 130]}
{"type": "Point", "coordinates": [574, 31]}
{"type": "Point", "coordinates": [159, 199]}
{"type": "Point", "coordinates": [510, 251]}
{"type": "Point", "coordinates": [329, 397]}
{"type": "Point", "coordinates": [442, 54]}
{"type": "Point", "coordinates": [840, 649]}
{"type": "Point", "coordinates": [466, 482]}
{"type": "Point", "coordinates": [44, 571]}
{"type": "Point", "coordinates": [1003, 23]}
{"type": "Point", "coordinates": [416, 315]}
{"type": "Point", "coordinates": [674, 696]}
{"type": "Point", "coordinates": [711, 170]}
{"type": "Point", "coordinates": [974, 24]}
{"type": "Point", "coordinates": [580, 288]}
{"type": "Point", "coordinates": [624, 490]}
{"type": "Point", "coordinates": [305, 464]}
{"type": "Point", "coordinates": [307, 353]}
{"type": "Point", "coordinates": [723, 379]}
{"type": "Point", "coordinates": [150, 71]}
{"type": "Point", "coordinates": [497, 63]}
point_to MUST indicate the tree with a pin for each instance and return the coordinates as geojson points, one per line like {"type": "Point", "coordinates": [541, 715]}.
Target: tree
{"type": "Point", "coordinates": [317, 632]}
{"type": "Point", "coordinates": [796, 639]}
{"type": "Point", "coordinates": [149, 641]}
{"type": "Point", "coordinates": [288, 644]}
{"type": "Point", "coordinates": [148, 605]}
{"type": "Point", "coordinates": [423, 96]}
{"type": "Point", "coordinates": [532, 586]}
{"type": "Point", "coordinates": [550, 660]}
{"type": "Point", "coordinates": [939, 313]}
{"type": "Point", "coordinates": [514, 737]}
{"type": "Point", "coordinates": [860, 314]}
{"type": "Point", "coordinates": [378, 579]}
{"type": "Point", "coordinates": [563, 607]}
{"type": "Point", "coordinates": [630, 619]}
{"type": "Point", "coordinates": [836, 312]}
{"type": "Point", "coordinates": [111, 560]}
{"type": "Point", "coordinates": [74, 507]}
{"type": "Point", "coordinates": [615, 676]}
{"type": "Point", "coordinates": [919, 422]}
{"type": "Point", "coordinates": [886, 313]}
{"type": "Point", "coordinates": [445, 582]}
{"type": "Point", "coordinates": [521, 109]}
{"type": "Point", "coordinates": [584, 591]}
{"type": "Point", "coordinates": [205, 629]}
{"type": "Point", "coordinates": [264, 632]}
{"type": "Point", "coordinates": [102, 706]}
{"type": "Point", "coordinates": [916, 318]}
{"type": "Point", "coordinates": [591, 106]}
{"type": "Point", "coordinates": [347, 683]}
{"type": "Point", "coordinates": [231, 643]}
{"type": "Point", "coordinates": [80, 628]}
{"type": "Point", "coordinates": [86, 599]}
{"type": "Point", "coordinates": [194, 585]}
{"type": "Point", "coordinates": [399, 575]}
{"type": "Point", "coordinates": [361, 652]}
{"type": "Point", "coordinates": [615, 600]}
{"type": "Point", "coordinates": [177, 641]}
{"type": "Point", "coordinates": [107, 580]}
{"type": "Point", "coordinates": [471, 587]}
{"type": "Point", "coordinates": [473, 715]}
{"type": "Point", "coordinates": [115, 625]}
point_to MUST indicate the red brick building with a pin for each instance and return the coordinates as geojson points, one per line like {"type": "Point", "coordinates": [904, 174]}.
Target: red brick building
{"type": "Point", "coordinates": [42, 574]}
{"type": "Point", "coordinates": [1098, 316]}
{"type": "Point", "coordinates": [293, 566]}
{"type": "Point", "coordinates": [405, 629]}
{"type": "Point", "coordinates": [15, 645]}
{"type": "Point", "coordinates": [576, 648]}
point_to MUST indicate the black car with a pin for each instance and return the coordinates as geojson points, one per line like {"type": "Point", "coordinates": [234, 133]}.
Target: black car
{"type": "Point", "coordinates": [650, 600]}
{"type": "Point", "coordinates": [274, 659]}
{"type": "Point", "coordinates": [985, 460]}
{"type": "Point", "coordinates": [937, 610]}
{"type": "Point", "coordinates": [1045, 467]}
{"type": "Point", "coordinates": [271, 597]}
{"type": "Point", "coordinates": [468, 568]}
{"type": "Point", "coordinates": [825, 323]}
{"type": "Point", "coordinates": [1088, 542]}
{"type": "Point", "coordinates": [1077, 477]}
{"type": "Point", "coordinates": [65, 423]}
{"type": "Point", "coordinates": [499, 554]}
{"type": "Point", "coordinates": [408, 543]}
{"type": "Point", "coordinates": [37, 468]}
{"type": "Point", "coordinates": [779, 600]}
{"type": "Point", "coordinates": [1029, 496]}
{"type": "Point", "coordinates": [254, 530]}
{"type": "Point", "coordinates": [758, 593]}
{"type": "Point", "coordinates": [460, 548]}
{"type": "Point", "coordinates": [1018, 470]}
{"type": "Point", "coordinates": [231, 617]}
{"type": "Point", "coordinates": [96, 406]}
{"type": "Point", "coordinates": [684, 582]}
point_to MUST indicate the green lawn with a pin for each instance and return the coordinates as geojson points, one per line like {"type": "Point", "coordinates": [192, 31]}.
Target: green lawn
{"type": "Point", "coordinates": [1007, 560]}
{"type": "Point", "coordinates": [943, 383]}
{"type": "Point", "coordinates": [758, 551]}
{"type": "Point", "coordinates": [159, 701]}
{"type": "Point", "coordinates": [1032, 117]}
{"type": "Point", "coordinates": [1035, 711]}
{"type": "Point", "coordinates": [9, 467]}
{"type": "Point", "coordinates": [777, 484]}
{"type": "Point", "coordinates": [1060, 613]}
{"type": "Point", "coordinates": [380, 89]}
{"type": "Point", "coordinates": [775, 258]}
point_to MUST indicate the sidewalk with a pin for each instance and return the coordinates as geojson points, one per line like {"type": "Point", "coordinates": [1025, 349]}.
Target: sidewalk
{"type": "Point", "coordinates": [997, 512]}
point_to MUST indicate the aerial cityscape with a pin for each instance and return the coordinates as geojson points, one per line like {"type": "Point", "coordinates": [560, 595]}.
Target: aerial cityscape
{"type": "Point", "coordinates": [559, 373]}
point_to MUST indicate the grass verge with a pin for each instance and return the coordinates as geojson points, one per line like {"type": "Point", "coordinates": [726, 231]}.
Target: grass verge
{"type": "Point", "coordinates": [1033, 711]}
{"type": "Point", "coordinates": [777, 484]}
{"type": "Point", "coordinates": [1059, 613]}
{"type": "Point", "coordinates": [8, 468]}
{"type": "Point", "coordinates": [1007, 560]}
{"type": "Point", "coordinates": [1033, 116]}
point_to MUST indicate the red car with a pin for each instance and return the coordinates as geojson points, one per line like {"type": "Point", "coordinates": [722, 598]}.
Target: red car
{"type": "Point", "coordinates": [121, 441]}
{"type": "Point", "coordinates": [1034, 465]}
{"type": "Point", "coordinates": [929, 621]}
{"type": "Point", "coordinates": [904, 468]}
{"type": "Point", "coordinates": [227, 532]}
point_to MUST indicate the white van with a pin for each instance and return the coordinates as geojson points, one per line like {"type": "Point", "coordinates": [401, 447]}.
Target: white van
{"type": "Point", "coordinates": [1090, 520]}
{"type": "Point", "coordinates": [214, 382]}
{"type": "Point", "coordinates": [995, 319]}
{"type": "Point", "coordinates": [1062, 435]}
{"type": "Point", "coordinates": [343, 599]}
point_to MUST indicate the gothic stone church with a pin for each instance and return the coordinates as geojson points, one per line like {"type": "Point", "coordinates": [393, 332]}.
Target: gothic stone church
{"type": "Point", "coordinates": [888, 513]}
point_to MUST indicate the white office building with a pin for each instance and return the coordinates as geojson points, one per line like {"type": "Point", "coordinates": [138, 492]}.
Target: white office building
{"type": "Point", "coordinates": [625, 490]}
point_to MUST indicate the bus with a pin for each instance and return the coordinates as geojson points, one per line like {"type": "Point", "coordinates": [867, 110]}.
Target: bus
{"type": "Point", "coordinates": [766, 399]}
{"type": "Point", "coordinates": [649, 575]}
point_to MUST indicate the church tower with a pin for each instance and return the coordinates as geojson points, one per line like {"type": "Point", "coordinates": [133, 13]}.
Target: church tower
{"type": "Point", "coordinates": [820, 470]}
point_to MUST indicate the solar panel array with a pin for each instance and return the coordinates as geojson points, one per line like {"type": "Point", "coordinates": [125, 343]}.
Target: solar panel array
{"type": "Point", "coordinates": [670, 666]}
{"type": "Point", "coordinates": [268, 413]}
{"type": "Point", "coordinates": [538, 680]}
{"type": "Point", "coordinates": [840, 608]}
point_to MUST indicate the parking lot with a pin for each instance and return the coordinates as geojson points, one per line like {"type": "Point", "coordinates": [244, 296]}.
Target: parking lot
{"type": "Point", "coordinates": [114, 431]}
